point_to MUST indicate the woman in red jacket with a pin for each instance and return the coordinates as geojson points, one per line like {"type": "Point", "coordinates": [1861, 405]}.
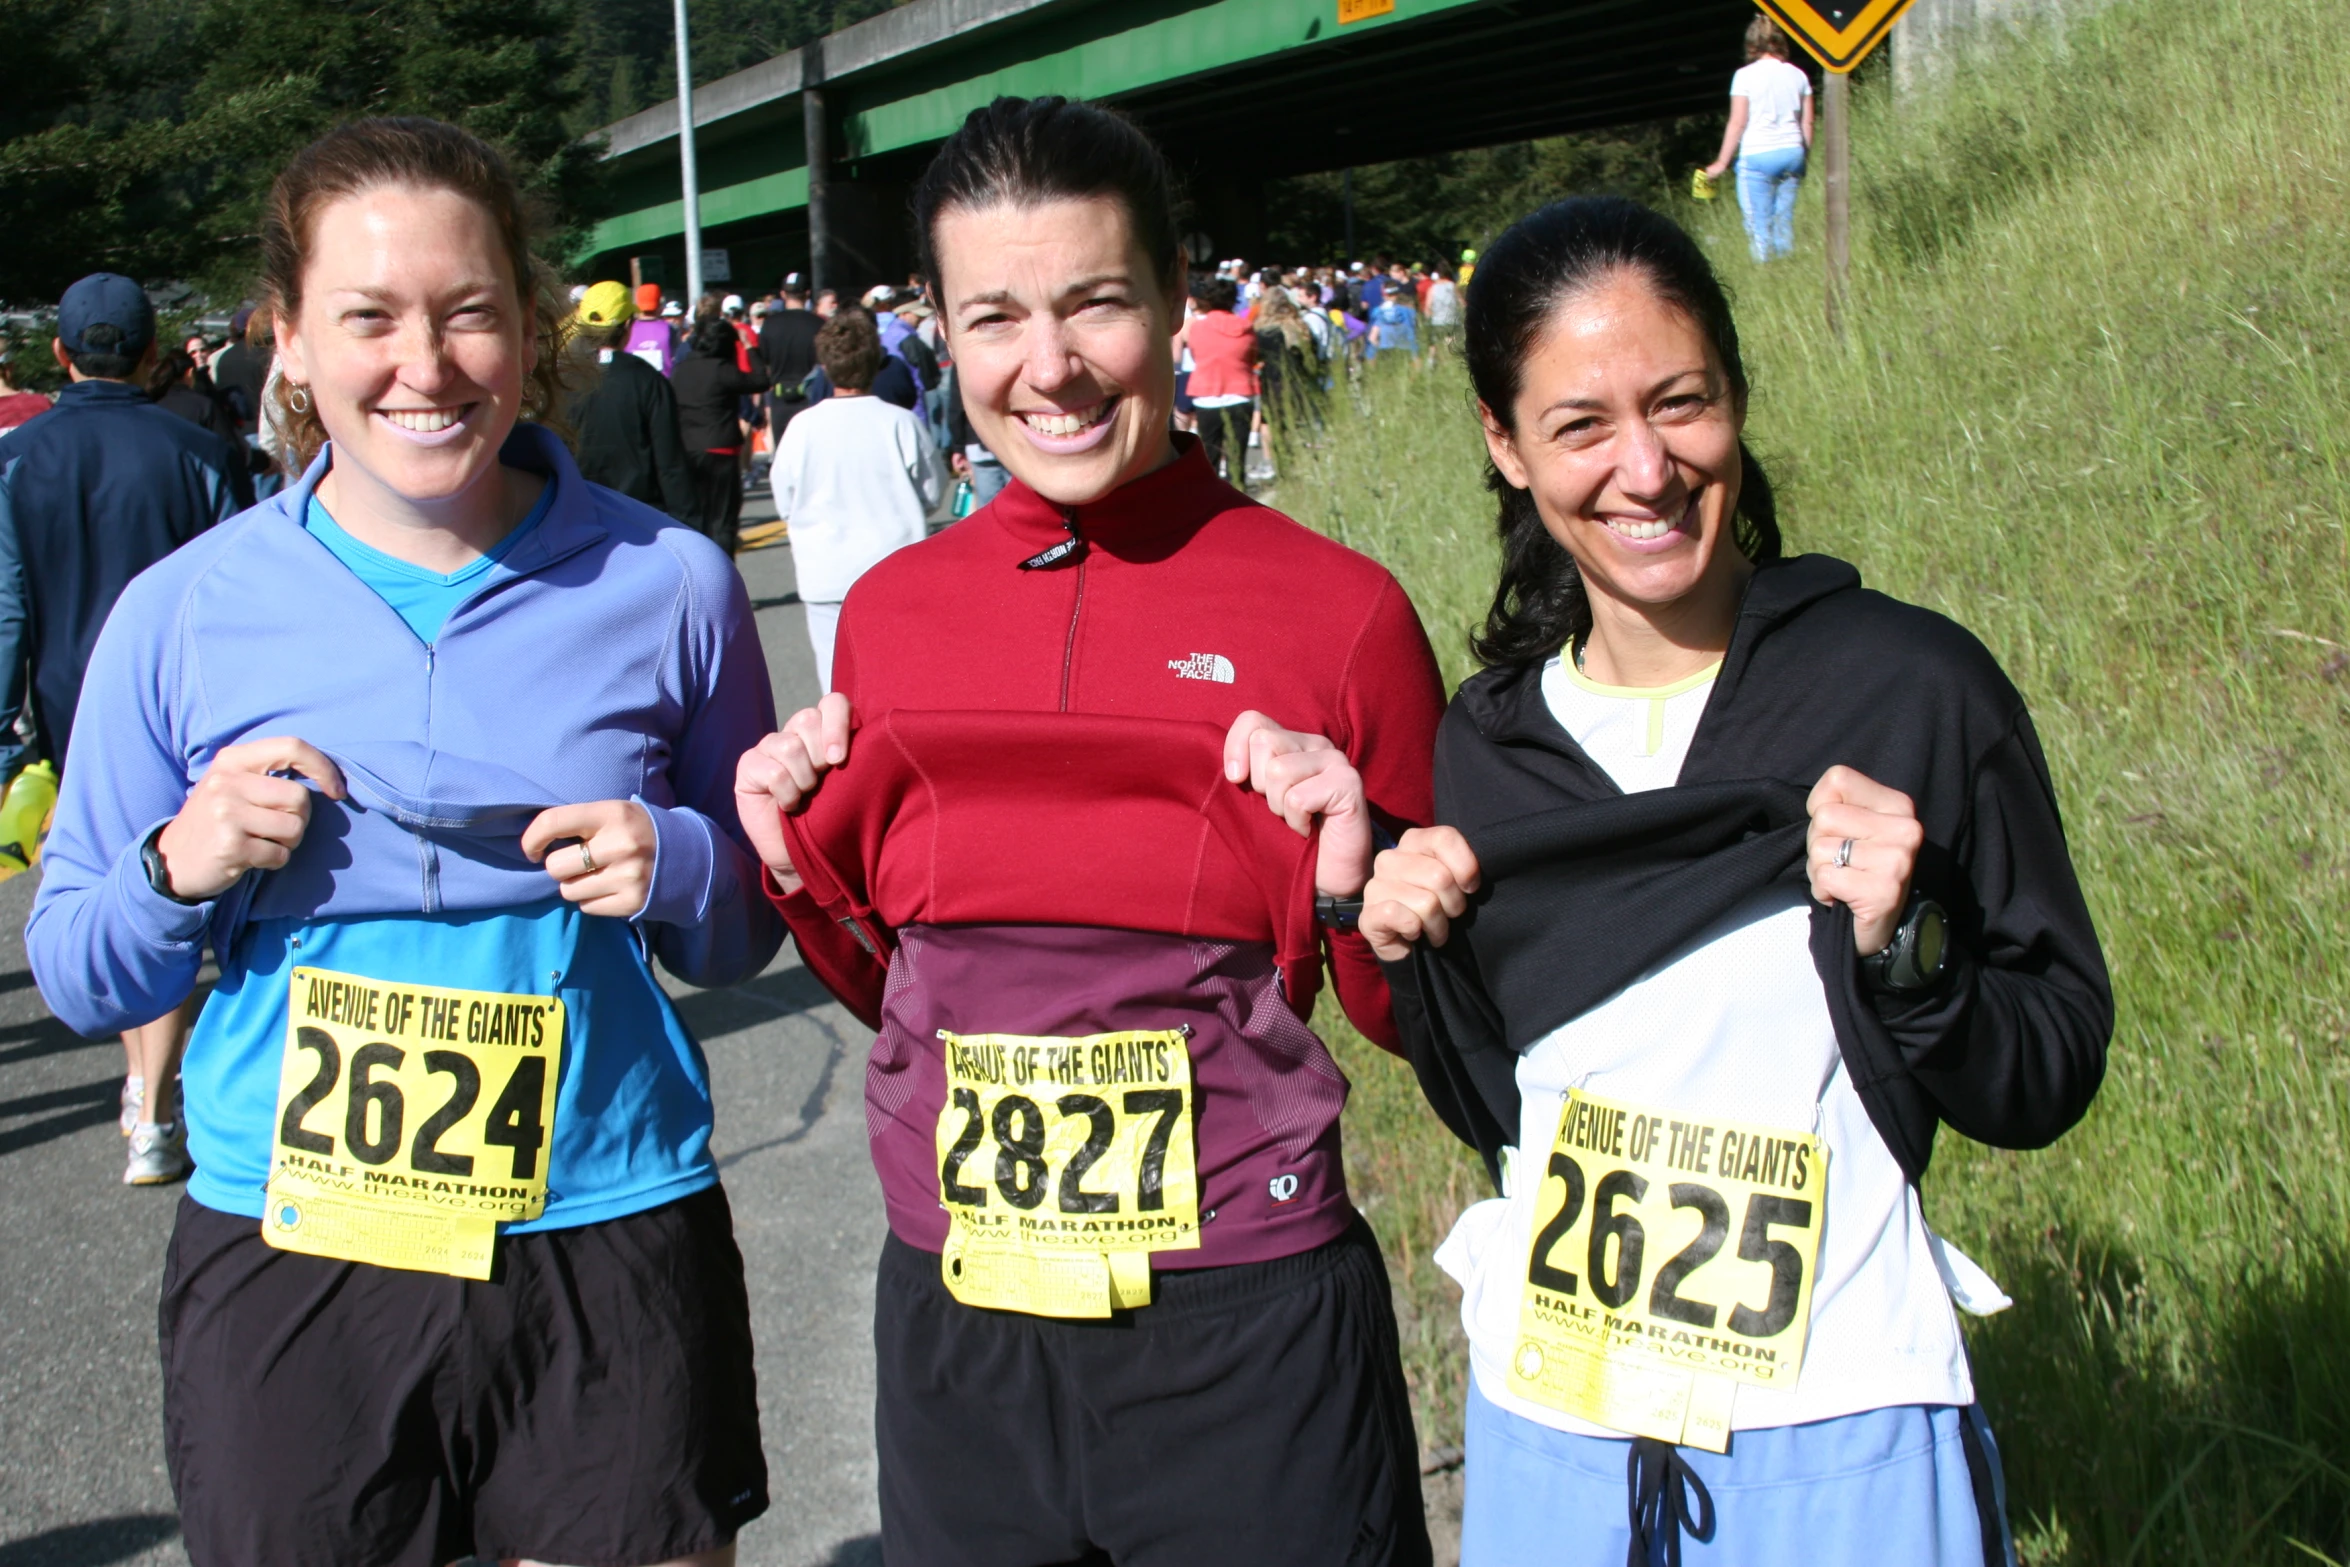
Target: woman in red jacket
{"type": "Point", "coordinates": [1223, 385]}
{"type": "Point", "coordinates": [1126, 1310]}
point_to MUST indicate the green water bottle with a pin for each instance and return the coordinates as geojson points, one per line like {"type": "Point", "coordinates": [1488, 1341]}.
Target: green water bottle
{"type": "Point", "coordinates": [24, 817]}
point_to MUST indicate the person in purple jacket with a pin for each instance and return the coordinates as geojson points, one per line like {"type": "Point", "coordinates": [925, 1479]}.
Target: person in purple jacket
{"type": "Point", "coordinates": [435, 750]}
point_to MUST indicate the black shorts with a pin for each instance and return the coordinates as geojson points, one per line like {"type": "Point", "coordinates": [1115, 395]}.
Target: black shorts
{"type": "Point", "coordinates": [1249, 1414]}
{"type": "Point", "coordinates": [592, 1403]}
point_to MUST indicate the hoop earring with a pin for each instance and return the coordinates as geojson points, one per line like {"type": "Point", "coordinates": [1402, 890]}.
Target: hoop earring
{"type": "Point", "coordinates": [297, 398]}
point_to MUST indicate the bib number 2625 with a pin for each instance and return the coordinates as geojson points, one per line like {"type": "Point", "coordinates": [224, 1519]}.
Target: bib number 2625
{"type": "Point", "coordinates": [1672, 1261]}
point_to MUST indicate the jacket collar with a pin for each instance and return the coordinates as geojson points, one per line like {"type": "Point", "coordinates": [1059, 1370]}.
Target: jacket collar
{"type": "Point", "coordinates": [1507, 704]}
{"type": "Point", "coordinates": [1171, 500]}
{"type": "Point", "coordinates": [569, 526]}
{"type": "Point", "coordinates": [80, 393]}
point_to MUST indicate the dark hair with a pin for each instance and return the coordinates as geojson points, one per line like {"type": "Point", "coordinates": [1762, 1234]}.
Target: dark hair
{"type": "Point", "coordinates": [849, 348]}
{"type": "Point", "coordinates": [713, 336]}
{"type": "Point", "coordinates": [428, 155]}
{"type": "Point", "coordinates": [172, 366]}
{"type": "Point", "coordinates": [1217, 293]}
{"type": "Point", "coordinates": [102, 360]}
{"type": "Point", "coordinates": [1539, 606]}
{"type": "Point", "coordinates": [1021, 151]}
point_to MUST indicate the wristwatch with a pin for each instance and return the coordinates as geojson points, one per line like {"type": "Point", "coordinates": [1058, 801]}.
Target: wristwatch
{"type": "Point", "coordinates": [1917, 957]}
{"type": "Point", "coordinates": [1338, 913]}
{"type": "Point", "coordinates": [159, 874]}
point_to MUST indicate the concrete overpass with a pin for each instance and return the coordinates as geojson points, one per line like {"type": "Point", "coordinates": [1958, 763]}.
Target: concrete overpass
{"type": "Point", "coordinates": [1237, 91]}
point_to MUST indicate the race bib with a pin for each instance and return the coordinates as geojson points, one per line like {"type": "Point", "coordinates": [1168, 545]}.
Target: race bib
{"type": "Point", "coordinates": [1672, 1262]}
{"type": "Point", "coordinates": [1063, 1164]}
{"type": "Point", "coordinates": [411, 1119]}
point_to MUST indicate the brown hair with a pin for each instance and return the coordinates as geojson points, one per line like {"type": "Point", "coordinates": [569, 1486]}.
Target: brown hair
{"type": "Point", "coordinates": [1277, 312]}
{"type": "Point", "coordinates": [849, 348]}
{"type": "Point", "coordinates": [429, 155]}
{"type": "Point", "coordinates": [1764, 37]}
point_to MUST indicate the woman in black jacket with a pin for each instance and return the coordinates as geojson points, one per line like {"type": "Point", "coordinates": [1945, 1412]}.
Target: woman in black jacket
{"type": "Point", "coordinates": [1749, 879]}
{"type": "Point", "coordinates": [710, 385]}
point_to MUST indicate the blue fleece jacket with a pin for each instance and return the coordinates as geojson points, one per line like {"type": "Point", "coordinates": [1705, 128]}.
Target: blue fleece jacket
{"type": "Point", "coordinates": [609, 655]}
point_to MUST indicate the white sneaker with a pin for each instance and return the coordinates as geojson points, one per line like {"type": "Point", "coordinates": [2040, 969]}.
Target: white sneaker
{"type": "Point", "coordinates": [134, 1104]}
{"type": "Point", "coordinates": [159, 1154]}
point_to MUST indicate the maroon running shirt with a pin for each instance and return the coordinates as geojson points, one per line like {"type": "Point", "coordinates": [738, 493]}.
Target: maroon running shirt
{"type": "Point", "coordinates": [1034, 884]}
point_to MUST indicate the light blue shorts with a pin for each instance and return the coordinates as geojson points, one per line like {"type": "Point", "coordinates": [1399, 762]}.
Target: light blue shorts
{"type": "Point", "coordinates": [1887, 1485]}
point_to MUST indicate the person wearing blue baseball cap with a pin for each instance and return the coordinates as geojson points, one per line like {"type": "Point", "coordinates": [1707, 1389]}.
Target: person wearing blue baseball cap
{"type": "Point", "coordinates": [91, 494]}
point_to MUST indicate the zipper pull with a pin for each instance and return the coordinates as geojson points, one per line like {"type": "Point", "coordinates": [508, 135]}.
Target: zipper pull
{"type": "Point", "coordinates": [1069, 551]}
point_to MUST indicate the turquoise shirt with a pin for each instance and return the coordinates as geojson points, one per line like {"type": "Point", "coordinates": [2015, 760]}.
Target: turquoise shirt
{"type": "Point", "coordinates": [424, 599]}
{"type": "Point", "coordinates": [632, 1096]}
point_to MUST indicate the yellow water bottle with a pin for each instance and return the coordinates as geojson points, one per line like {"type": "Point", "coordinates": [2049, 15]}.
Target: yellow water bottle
{"type": "Point", "coordinates": [24, 817]}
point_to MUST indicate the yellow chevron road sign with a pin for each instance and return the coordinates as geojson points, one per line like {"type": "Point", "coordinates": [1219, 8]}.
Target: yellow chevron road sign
{"type": "Point", "coordinates": [1837, 33]}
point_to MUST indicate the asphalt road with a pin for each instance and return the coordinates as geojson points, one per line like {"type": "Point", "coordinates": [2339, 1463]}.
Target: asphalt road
{"type": "Point", "coordinates": [82, 1481]}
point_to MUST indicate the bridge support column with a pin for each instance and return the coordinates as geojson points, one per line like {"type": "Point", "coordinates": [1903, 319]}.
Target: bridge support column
{"type": "Point", "coordinates": [819, 176]}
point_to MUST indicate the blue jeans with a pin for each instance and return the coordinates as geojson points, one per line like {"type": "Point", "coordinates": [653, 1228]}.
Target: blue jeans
{"type": "Point", "coordinates": [1767, 183]}
{"type": "Point", "coordinates": [1886, 1485]}
{"type": "Point", "coordinates": [987, 481]}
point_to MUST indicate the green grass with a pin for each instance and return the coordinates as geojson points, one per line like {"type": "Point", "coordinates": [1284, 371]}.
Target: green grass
{"type": "Point", "coordinates": [2092, 404]}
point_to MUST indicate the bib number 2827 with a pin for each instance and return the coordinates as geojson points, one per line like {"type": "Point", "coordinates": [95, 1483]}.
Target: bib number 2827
{"type": "Point", "coordinates": [1672, 1261]}
{"type": "Point", "coordinates": [1063, 1164]}
{"type": "Point", "coordinates": [412, 1119]}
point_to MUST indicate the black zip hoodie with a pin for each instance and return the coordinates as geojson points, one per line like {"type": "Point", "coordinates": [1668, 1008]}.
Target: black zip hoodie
{"type": "Point", "coordinates": [1585, 888]}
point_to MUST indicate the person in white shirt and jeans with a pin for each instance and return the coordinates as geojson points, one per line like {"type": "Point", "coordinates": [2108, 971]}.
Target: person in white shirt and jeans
{"type": "Point", "coordinates": [1769, 133]}
{"type": "Point", "coordinates": [855, 477]}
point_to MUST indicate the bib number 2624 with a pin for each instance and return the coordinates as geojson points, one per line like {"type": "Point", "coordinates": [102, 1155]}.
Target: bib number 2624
{"type": "Point", "coordinates": [412, 1119]}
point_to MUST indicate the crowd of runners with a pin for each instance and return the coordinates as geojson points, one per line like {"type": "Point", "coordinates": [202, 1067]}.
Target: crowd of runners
{"type": "Point", "coordinates": [1722, 886]}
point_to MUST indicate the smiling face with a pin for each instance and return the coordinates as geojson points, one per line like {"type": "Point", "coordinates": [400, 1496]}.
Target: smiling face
{"type": "Point", "coordinates": [412, 339]}
{"type": "Point", "coordinates": [1062, 337]}
{"type": "Point", "coordinates": [1626, 432]}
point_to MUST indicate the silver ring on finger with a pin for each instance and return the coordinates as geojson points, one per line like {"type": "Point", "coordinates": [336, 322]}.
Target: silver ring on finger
{"type": "Point", "coordinates": [1844, 854]}
{"type": "Point", "coordinates": [587, 860]}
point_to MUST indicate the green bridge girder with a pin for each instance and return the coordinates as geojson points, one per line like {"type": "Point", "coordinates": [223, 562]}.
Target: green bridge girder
{"type": "Point", "coordinates": [1237, 90]}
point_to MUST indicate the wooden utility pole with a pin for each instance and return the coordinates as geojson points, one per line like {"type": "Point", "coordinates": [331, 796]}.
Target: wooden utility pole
{"type": "Point", "coordinates": [1836, 171]}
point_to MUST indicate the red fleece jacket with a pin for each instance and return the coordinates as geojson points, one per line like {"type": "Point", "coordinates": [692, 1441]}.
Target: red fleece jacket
{"type": "Point", "coordinates": [1186, 601]}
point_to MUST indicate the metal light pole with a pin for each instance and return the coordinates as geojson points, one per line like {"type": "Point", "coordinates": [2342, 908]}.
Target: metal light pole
{"type": "Point", "coordinates": [685, 159]}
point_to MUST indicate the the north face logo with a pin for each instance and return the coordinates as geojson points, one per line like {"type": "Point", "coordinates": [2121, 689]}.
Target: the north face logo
{"type": "Point", "coordinates": [1203, 666]}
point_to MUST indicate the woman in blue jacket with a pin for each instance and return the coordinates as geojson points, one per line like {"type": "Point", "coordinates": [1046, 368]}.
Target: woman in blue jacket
{"type": "Point", "coordinates": [435, 750]}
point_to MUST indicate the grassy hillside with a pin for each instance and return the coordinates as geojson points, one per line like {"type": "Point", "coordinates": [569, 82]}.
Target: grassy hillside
{"type": "Point", "coordinates": [2092, 404]}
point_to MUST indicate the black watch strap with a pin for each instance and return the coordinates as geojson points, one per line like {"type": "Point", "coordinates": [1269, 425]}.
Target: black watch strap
{"type": "Point", "coordinates": [1917, 957]}
{"type": "Point", "coordinates": [159, 874]}
{"type": "Point", "coordinates": [1338, 913]}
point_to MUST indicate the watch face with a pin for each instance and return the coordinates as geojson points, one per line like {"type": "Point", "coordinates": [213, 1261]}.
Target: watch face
{"type": "Point", "coordinates": [1933, 939]}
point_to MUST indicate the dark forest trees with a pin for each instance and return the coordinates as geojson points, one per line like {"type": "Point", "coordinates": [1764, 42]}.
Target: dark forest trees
{"type": "Point", "coordinates": [140, 136]}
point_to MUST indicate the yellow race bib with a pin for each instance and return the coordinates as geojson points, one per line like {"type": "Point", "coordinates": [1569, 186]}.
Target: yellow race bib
{"type": "Point", "coordinates": [1672, 1261]}
{"type": "Point", "coordinates": [411, 1119]}
{"type": "Point", "coordinates": [1063, 1164]}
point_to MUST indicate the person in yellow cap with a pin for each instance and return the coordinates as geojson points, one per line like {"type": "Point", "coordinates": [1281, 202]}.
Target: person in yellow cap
{"type": "Point", "coordinates": [625, 416]}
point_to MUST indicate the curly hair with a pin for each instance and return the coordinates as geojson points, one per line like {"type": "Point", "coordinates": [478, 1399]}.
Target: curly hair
{"type": "Point", "coordinates": [849, 348]}
{"type": "Point", "coordinates": [421, 153]}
